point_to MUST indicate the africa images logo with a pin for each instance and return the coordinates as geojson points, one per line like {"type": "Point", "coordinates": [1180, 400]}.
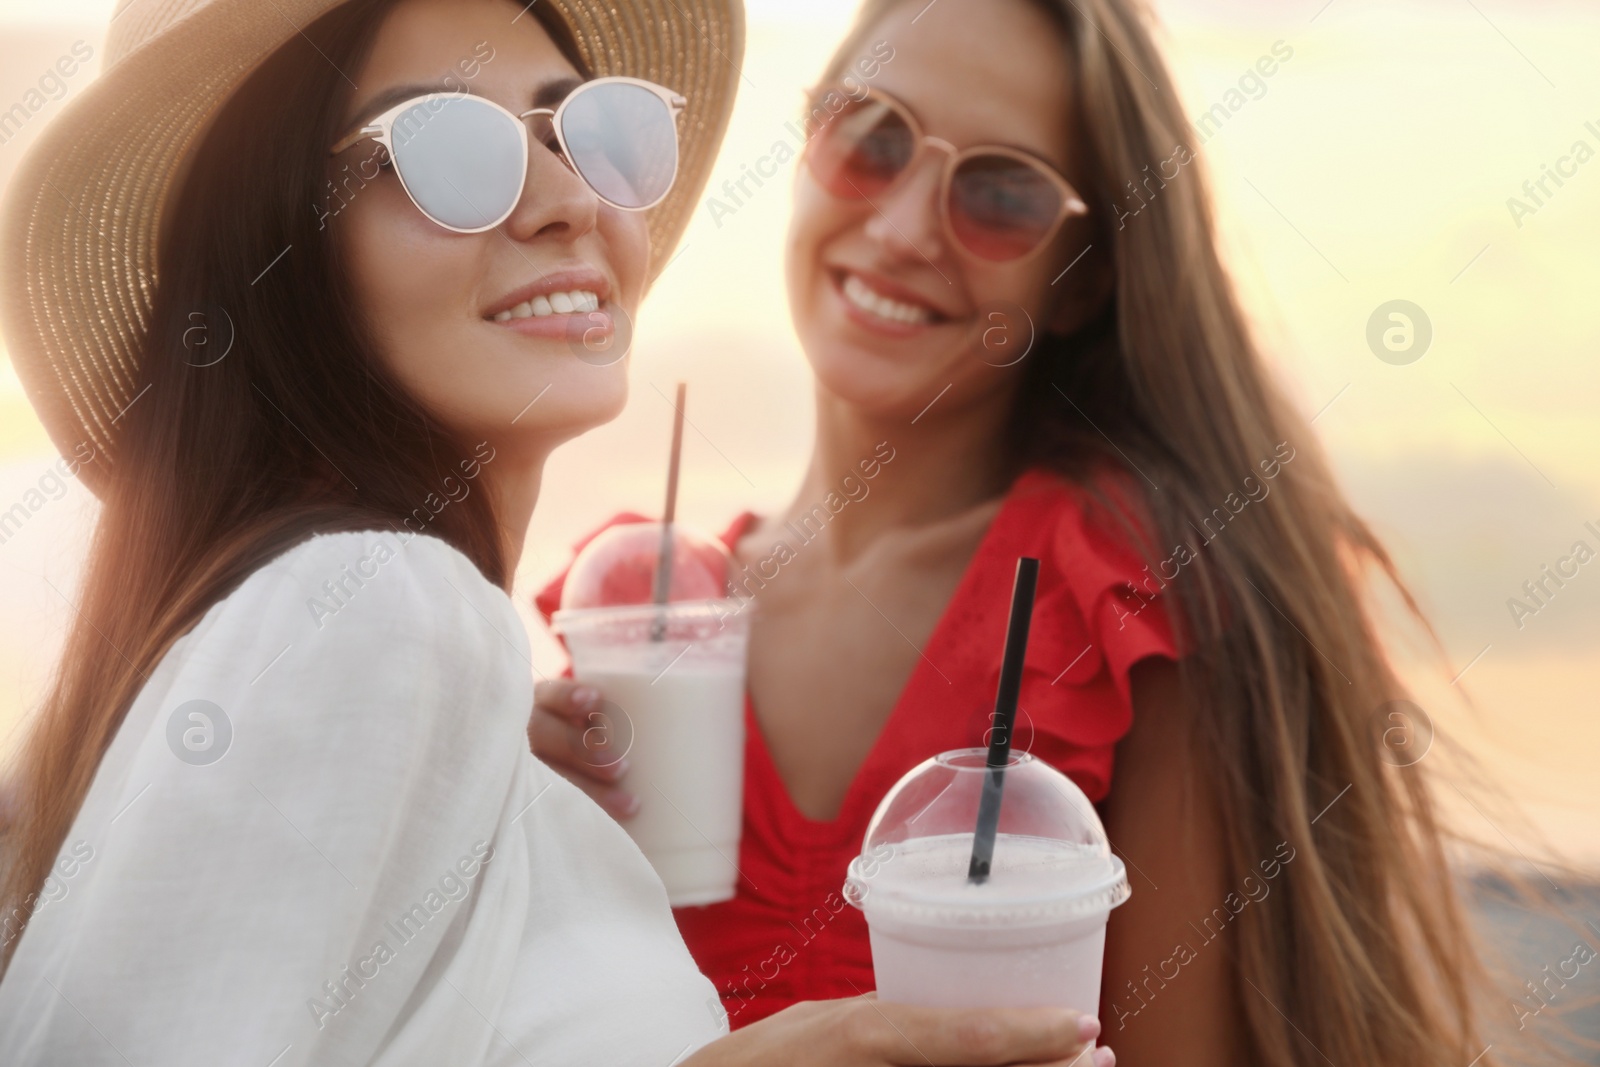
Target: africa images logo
{"type": "Point", "coordinates": [199, 732]}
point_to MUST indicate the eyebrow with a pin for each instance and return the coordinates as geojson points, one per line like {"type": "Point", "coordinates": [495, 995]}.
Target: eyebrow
{"type": "Point", "coordinates": [548, 94]}
{"type": "Point", "coordinates": [553, 92]}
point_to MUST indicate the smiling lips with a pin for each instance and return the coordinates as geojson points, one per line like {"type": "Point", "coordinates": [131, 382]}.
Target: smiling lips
{"type": "Point", "coordinates": [562, 303]}
{"type": "Point", "coordinates": [867, 298]}
{"type": "Point", "coordinates": [884, 307]}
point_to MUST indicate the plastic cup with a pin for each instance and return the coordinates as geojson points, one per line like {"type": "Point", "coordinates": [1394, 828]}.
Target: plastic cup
{"type": "Point", "coordinates": [1032, 934]}
{"type": "Point", "coordinates": [673, 681]}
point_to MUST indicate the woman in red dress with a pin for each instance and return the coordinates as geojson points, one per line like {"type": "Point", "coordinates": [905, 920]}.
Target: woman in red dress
{"type": "Point", "coordinates": [1003, 273]}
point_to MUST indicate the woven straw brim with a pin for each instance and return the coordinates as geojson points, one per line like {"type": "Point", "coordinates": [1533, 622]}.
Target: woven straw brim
{"type": "Point", "coordinates": [78, 227]}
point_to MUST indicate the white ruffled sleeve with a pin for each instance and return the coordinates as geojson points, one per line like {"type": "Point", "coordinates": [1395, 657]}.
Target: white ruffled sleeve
{"type": "Point", "coordinates": [293, 827]}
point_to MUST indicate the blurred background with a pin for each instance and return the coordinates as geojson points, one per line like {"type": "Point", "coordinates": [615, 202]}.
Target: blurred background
{"type": "Point", "coordinates": [1384, 161]}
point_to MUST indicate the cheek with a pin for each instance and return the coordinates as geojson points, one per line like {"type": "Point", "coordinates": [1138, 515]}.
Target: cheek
{"type": "Point", "coordinates": [408, 275]}
{"type": "Point", "coordinates": [1005, 289]}
{"type": "Point", "coordinates": [815, 220]}
{"type": "Point", "coordinates": [415, 286]}
{"type": "Point", "coordinates": [627, 239]}
{"type": "Point", "coordinates": [801, 243]}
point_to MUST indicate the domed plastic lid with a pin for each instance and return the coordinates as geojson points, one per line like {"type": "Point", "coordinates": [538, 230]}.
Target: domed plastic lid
{"type": "Point", "coordinates": [1052, 861]}
{"type": "Point", "coordinates": [619, 567]}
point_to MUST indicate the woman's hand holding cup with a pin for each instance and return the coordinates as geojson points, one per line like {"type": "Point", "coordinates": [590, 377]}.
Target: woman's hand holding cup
{"type": "Point", "coordinates": [864, 1032]}
{"type": "Point", "coordinates": [569, 731]}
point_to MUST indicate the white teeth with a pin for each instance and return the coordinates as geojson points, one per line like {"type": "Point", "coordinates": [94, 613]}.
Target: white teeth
{"type": "Point", "coordinates": [566, 303]}
{"type": "Point", "coordinates": [867, 299]}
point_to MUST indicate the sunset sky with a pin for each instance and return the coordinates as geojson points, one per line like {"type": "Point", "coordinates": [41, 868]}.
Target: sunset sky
{"type": "Point", "coordinates": [1376, 164]}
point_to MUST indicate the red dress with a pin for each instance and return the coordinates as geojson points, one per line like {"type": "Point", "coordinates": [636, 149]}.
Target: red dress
{"type": "Point", "coordinates": [789, 935]}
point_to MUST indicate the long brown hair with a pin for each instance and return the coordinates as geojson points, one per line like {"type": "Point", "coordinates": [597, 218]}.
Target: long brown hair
{"type": "Point", "coordinates": [226, 460]}
{"type": "Point", "coordinates": [1368, 951]}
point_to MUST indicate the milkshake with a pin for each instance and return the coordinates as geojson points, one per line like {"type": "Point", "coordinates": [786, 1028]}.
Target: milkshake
{"type": "Point", "coordinates": [1031, 934]}
{"type": "Point", "coordinates": [672, 676]}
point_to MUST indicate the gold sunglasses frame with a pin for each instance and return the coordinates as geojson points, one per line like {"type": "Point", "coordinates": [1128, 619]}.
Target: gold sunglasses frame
{"type": "Point", "coordinates": [381, 129]}
{"type": "Point", "coordinates": [1072, 202]}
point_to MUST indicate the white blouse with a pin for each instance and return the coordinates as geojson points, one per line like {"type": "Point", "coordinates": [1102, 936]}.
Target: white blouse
{"type": "Point", "coordinates": [319, 838]}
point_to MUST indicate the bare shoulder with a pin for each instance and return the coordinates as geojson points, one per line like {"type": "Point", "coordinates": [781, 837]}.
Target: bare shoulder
{"type": "Point", "coordinates": [1170, 994]}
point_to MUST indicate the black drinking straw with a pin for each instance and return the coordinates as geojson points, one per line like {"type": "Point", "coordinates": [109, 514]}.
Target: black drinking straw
{"type": "Point", "coordinates": [1005, 718]}
{"type": "Point", "coordinates": [663, 583]}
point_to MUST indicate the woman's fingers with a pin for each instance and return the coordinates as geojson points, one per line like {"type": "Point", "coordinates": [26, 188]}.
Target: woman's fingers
{"type": "Point", "coordinates": [585, 746]}
{"type": "Point", "coordinates": [902, 1034]}
{"type": "Point", "coordinates": [567, 699]}
{"type": "Point", "coordinates": [588, 748]}
{"type": "Point", "coordinates": [572, 724]}
{"type": "Point", "coordinates": [865, 1032]}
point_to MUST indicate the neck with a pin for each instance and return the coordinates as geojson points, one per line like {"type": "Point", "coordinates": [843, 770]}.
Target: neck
{"type": "Point", "coordinates": [513, 481]}
{"type": "Point", "coordinates": [922, 473]}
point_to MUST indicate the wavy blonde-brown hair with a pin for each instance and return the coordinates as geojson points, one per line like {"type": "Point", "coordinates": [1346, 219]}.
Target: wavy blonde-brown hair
{"type": "Point", "coordinates": [1367, 955]}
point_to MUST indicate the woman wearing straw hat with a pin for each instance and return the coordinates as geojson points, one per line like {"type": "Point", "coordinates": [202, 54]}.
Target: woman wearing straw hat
{"type": "Point", "coordinates": [309, 291]}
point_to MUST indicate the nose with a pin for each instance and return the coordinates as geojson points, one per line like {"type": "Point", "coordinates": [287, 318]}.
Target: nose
{"type": "Point", "coordinates": [907, 223]}
{"type": "Point", "coordinates": [555, 201]}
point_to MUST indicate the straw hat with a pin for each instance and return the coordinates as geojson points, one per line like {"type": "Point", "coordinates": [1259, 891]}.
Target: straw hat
{"type": "Point", "coordinates": [79, 222]}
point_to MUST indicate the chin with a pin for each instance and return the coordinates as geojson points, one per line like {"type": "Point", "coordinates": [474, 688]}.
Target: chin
{"type": "Point", "coordinates": [567, 405]}
{"type": "Point", "coordinates": [875, 386]}
{"type": "Point", "coordinates": [577, 403]}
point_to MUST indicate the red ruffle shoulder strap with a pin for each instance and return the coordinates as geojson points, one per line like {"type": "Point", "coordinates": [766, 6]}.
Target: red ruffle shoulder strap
{"type": "Point", "coordinates": [1103, 542]}
{"type": "Point", "coordinates": [1099, 611]}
